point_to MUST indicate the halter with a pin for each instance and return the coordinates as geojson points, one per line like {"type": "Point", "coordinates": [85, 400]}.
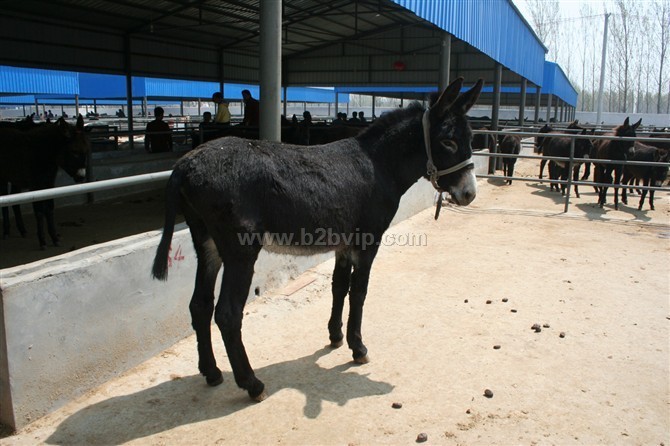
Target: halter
{"type": "Point", "coordinates": [431, 169]}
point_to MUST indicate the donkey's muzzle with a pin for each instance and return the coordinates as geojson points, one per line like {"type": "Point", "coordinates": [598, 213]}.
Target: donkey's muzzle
{"type": "Point", "coordinates": [465, 191]}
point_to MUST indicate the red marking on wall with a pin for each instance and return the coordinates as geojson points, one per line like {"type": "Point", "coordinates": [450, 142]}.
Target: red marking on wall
{"type": "Point", "coordinates": [177, 257]}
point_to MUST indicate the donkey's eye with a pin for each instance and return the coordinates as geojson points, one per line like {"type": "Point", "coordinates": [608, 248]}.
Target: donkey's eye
{"type": "Point", "coordinates": [450, 145]}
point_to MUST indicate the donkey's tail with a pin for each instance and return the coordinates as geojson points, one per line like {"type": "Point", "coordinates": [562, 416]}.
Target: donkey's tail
{"type": "Point", "coordinates": [160, 268]}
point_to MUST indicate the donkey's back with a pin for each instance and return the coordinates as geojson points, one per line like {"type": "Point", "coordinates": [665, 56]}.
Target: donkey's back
{"type": "Point", "coordinates": [272, 183]}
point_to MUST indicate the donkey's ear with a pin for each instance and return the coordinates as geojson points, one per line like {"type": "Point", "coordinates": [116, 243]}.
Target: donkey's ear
{"type": "Point", "coordinates": [80, 123]}
{"type": "Point", "coordinates": [465, 101]}
{"type": "Point", "coordinates": [637, 124]}
{"type": "Point", "coordinates": [448, 97]}
{"type": "Point", "coordinates": [626, 123]}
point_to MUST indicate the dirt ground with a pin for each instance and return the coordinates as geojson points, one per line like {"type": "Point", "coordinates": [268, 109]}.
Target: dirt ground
{"type": "Point", "coordinates": [437, 308]}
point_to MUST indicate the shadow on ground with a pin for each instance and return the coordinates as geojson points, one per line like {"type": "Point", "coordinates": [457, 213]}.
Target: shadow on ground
{"type": "Point", "coordinates": [188, 400]}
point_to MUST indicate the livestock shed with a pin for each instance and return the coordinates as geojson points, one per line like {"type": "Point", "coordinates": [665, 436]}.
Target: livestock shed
{"type": "Point", "coordinates": [303, 42]}
{"type": "Point", "coordinates": [556, 90]}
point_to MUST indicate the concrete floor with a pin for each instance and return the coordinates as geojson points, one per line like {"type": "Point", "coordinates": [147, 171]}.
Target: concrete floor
{"type": "Point", "coordinates": [434, 313]}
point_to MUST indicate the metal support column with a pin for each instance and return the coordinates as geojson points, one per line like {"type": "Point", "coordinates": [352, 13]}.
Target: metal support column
{"type": "Point", "coordinates": [522, 104]}
{"type": "Point", "coordinates": [538, 104]}
{"type": "Point", "coordinates": [270, 67]}
{"type": "Point", "coordinates": [495, 162]}
{"type": "Point", "coordinates": [445, 62]}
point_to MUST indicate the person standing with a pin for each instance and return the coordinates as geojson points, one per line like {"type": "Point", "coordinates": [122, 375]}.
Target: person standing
{"type": "Point", "coordinates": [158, 136]}
{"type": "Point", "coordinates": [251, 109]}
{"type": "Point", "coordinates": [222, 111]}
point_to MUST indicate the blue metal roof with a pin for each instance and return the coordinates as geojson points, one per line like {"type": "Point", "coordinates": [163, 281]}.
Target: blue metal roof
{"type": "Point", "coordinates": [14, 80]}
{"type": "Point", "coordinates": [25, 85]}
{"type": "Point", "coordinates": [494, 27]}
{"type": "Point", "coordinates": [557, 83]}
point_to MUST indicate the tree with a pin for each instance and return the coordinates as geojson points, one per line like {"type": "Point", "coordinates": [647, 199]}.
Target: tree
{"type": "Point", "coordinates": [545, 16]}
{"type": "Point", "coordinates": [622, 36]}
{"type": "Point", "coordinates": [661, 12]}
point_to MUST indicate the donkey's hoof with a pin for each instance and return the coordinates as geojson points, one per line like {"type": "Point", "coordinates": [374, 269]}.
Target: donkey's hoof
{"type": "Point", "coordinates": [258, 398]}
{"type": "Point", "coordinates": [258, 392]}
{"type": "Point", "coordinates": [362, 359]}
{"type": "Point", "coordinates": [215, 379]}
{"type": "Point", "coordinates": [336, 344]}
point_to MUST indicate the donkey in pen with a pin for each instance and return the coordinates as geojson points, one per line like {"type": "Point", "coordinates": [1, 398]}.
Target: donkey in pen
{"type": "Point", "coordinates": [29, 159]}
{"type": "Point", "coordinates": [615, 150]}
{"type": "Point", "coordinates": [560, 147]}
{"type": "Point", "coordinates": [509, 145]}
{"type": "Point", "coordinates": [650, 175]}
{"type": "Point", "coordinates": [239, 196]}
{"type": "Point", "coordinates": [7, 188]}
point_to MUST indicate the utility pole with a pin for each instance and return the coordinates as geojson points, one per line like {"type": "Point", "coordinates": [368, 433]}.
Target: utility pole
{"type": "Point", "coordinates": [602, 73]}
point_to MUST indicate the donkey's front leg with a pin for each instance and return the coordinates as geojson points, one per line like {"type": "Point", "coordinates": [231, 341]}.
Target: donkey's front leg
{"type": "Point", "coordinates": [575, 177]}
{"type": "Point", "coordinates": [617, 180]}
{"type": "Point", "coordinates": [340, 286]}
{"type": "Point", "coordinates": [362, 261]}
{"type": "Point", "coordinates": [237, 274]}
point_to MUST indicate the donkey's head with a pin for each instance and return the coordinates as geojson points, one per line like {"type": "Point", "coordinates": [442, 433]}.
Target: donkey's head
{"type": "Point", "coordinates": [584, 147]}
{"type": "Point", "coordinates": [76, 149]}
{"type": "Point", "coordinates": [625, 148]}
{"type": "Point", "coordinates": [448, 140]}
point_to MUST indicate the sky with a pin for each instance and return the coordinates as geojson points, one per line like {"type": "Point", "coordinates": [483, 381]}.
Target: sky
{"type": "Point", "coordinates": [569, 8]}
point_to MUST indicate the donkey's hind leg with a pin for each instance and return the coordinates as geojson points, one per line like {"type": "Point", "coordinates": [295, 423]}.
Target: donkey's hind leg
{"type": "Point", "coordinates": [340, 286]}
{"type": "Point", "coordinates": [5, 222]}
{"type": "Point", "coordinates": [51, 221]}
{"type": "Point", "coordinates": [18, 218]}
{"type": "Point", "coordinates": [202, 302]}
{"type": "Point", "coordinates": [362, 261]}
{"type": "Point", "coordinates": [38, 210]}
{"type": "Point", "coordinates": [238, 271]}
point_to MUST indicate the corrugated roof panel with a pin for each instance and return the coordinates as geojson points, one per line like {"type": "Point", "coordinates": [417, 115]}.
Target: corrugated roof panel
{"type": "Point", "coordinates": [33, 80]}
{"type": "Point", "coordinates": [557, 83]}
{"type": "Point", "coordinates": [179, 89]}
{"type": "Point", "coordinates": [495, 27]}
{"type": "Point", "coordinates": [102, 86]}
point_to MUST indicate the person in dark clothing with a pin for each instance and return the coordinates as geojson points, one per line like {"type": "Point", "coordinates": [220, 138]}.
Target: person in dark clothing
{"type": "Point", "coordinates": [251, 109]}
{"type": "Point", "coordinates": [158, 136]}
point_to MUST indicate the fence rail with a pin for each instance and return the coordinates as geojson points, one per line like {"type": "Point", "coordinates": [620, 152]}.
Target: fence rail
{"type": "Point", "coordinates": [79, 189]}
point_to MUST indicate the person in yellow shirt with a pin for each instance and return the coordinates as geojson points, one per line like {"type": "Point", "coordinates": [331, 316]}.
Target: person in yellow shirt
{"type": "Point", "coordinates": [222, 112]}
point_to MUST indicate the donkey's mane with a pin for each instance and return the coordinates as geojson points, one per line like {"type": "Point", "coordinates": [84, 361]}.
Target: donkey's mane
{"type": "Point", "coordinates": [383, 123]}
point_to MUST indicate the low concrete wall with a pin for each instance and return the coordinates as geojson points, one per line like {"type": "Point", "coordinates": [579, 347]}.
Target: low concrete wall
{"type": "Point", "coordinates": [70, 323]}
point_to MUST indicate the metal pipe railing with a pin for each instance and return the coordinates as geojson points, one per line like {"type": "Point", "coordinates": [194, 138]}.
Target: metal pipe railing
{"type": "Point", "coordinates": [571, 160]}
{"type": "Point", "coordinates": [78, 189]}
